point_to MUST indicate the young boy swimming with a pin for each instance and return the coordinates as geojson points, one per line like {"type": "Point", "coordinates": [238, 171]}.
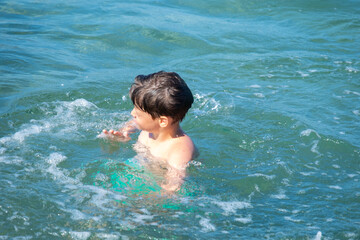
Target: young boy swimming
{"type": "Point", "coordinates": [161, 101]}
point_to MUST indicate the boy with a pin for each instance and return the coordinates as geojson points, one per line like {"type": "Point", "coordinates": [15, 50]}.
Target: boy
{"type": "Point", "coordinates": [161, 101]}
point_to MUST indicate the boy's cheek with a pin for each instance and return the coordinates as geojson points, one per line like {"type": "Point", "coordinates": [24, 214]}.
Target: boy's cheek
{"type": "Point", "coordinates": [137, 123]}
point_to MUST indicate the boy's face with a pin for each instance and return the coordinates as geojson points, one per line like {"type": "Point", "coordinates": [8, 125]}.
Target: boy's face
{"type": "Point", "coordinates": [144, 120]}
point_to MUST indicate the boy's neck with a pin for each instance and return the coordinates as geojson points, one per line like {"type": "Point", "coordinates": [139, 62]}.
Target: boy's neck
{"type": "Point", "coordinates": [169, 132]}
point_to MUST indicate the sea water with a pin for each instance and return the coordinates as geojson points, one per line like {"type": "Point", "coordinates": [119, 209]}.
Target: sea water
{"type": "Point", "coordinates": [275, 118]}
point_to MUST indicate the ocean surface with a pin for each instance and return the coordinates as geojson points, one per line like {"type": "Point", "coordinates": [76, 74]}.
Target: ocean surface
{"type": "Point", "coordinates": [276, 118]}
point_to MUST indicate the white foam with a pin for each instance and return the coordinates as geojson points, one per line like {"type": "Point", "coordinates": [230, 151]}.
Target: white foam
{"type": "Point", "coordinates": [301, 192]}
{"type": "Point", "coordinates": [109, 236]}
{"type": "Point", "coordinates": [307, 133]}
{"type": "Point", "coordinates": [336, 166]}
{"type": "Point", "coordinates": [11, 160]}
{"type": "Point", "coordinates": [232, 207]}
{"type": "Point", "coordinates": [335, 187]}
{"type": "Point", "coordinates": [141, 218]}
{"type": "Point", "coordinates": [268, 177]}
{"type": "Point", "coordinates": [215, 105]}
{"type": "Point", "coordinates": [99, 198]}
{"type": "Point", "coordinates": [55, 158]}
{"type": "Point", "coordinates": [80, 235]}
{"type": "Point", "coordinates": [314, 147]}
{"type": "Point", "coordinates": [351, 92]}
{"type": "Point", "coordinates": [82, 103]}
{"type": "Point", "coordinates": [206, 225]}
{"type": "Point", "coordinates": [280, 195]}
{"type": "Point", "coordinates": [285, 166]}
{"type": "Point", "coordinates": [282, 210]}
{"type": "Point", "coordinates": [19, 217]}
{"type": "Point", "coordinates": [2, 150]}
{"type": "Point", "coordinates": [59, 174]}
{"type": "Point", "coordinates": [26, 132]}
{"type": "Point", "coordinates": [66, 116]}
{"type": "Point", "coordinates": [351, 235]}
{"type": "Point", "coordinates": [76, 214]}
{"type": "Point", "coordinates": [259, 95]}
{"type": "Point", "coordinates": [102, 196]}
{"type": "Point", "coordinates": [238, 96]}
{"type": "Point", "coordinates": [255, 86]}
{"type": "Point", "coordinates": [356, 112]}
{"type": "Point", "coordinates": [101, 177]}
{"type": "Point", "coordinates": [307, 173]}
{"type": "Point", "coordinates": [292, 219]}
{"type": "Point", "coordinates": [311, 167]}
{"type": "Point", "coordinates": [285, 181]}
{"type": "Point", "coordinates": [195, 163]}
{"type": "Point", "coordinates": [207, 104]}
{"type": "Point", "coordinates": [267, 75]}
{"type": "Point", "coordinates": [351, 69]}
{"type": "Point", "coordinates": [244, 220]}
{"type": "Point", "coordinates": [318, 236]}
{"type": "Point", "coordinates": [303, 74]}
{"type": "Point", "coordinates": [20, 237]}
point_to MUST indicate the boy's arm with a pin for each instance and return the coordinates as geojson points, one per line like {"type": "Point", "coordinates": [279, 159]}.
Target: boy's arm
{"type": "Point", "coordinates": [178, 161]}
{"type": "Point", "coordinates": [123, 134]}
{"type": "Point", "coordinates": [174, 178]}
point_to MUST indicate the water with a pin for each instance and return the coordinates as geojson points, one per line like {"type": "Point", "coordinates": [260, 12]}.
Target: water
{"type": "Point", "coordinates": [276, 118]}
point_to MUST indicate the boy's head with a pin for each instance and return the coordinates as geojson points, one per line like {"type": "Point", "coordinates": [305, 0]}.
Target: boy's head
{"type": "Point", "coordinates": [162, 94]}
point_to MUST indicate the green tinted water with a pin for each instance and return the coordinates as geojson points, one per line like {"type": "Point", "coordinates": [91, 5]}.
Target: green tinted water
{"type": "Point", "coordinates": [275, 118]}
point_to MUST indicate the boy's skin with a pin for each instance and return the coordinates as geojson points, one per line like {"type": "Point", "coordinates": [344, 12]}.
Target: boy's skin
{"type": "Point", "coordinates": [165, 141]}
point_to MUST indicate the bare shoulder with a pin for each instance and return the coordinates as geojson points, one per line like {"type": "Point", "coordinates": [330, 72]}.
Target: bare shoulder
{"type": "Point", "coordinates": [182, 151]}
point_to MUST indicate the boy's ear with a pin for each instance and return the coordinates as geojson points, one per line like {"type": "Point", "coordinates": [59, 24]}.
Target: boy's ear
{"type": "Point", "coordinates": [163, 121]}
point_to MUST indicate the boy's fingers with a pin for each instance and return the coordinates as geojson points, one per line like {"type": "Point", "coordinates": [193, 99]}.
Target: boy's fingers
{"type": "Point", "coordinates": [118, 133]}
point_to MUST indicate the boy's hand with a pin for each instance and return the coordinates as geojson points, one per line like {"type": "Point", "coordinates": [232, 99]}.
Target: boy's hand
{"type": "Point", "coordinates": [124, 134]}
{"type": "Point", "coordinates": [117, 135]}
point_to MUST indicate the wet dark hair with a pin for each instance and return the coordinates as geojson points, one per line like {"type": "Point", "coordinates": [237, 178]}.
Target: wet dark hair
{"type": "Point", "coordinates": [162, 94]}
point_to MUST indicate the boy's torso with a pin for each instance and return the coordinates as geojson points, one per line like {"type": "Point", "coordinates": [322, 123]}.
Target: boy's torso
{"type": "Point", "coordinates": [163, 150]}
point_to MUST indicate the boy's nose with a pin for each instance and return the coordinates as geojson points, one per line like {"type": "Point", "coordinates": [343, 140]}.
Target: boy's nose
{"type": "Point", "coordinates": [132, 113]}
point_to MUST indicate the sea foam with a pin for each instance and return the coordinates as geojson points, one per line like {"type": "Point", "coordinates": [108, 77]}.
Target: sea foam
{"type": "Point", "coordinates": [318, 236]}
{"type": "Point", "coordinates": [307, 133]}
{"type": "Point", "coordinates": [80, 235]}
{"type": "Point", "coordinates": [244, 220]}
{"type": "Point", "coordinates": [232, 207]}
{"type": "Point", "coordinates": [280, 195]}
{"type": "Point", "coordinates": [206, 225]}
{"type": "Point", "coordinates": [268, 177]}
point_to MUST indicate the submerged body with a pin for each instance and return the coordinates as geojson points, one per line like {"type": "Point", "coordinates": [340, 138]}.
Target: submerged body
{"type": "Point", "coordinates": [161, 101]}
{"type": "Point", "coordinates": [163, 146]}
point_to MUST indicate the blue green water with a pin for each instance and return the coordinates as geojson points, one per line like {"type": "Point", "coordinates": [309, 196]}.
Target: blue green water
{"type": "Point", "coordinates": [276, 118]}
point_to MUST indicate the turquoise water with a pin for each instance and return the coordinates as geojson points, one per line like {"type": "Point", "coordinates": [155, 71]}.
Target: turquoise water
{"type": "Point", "coordinates": [276, 119]}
